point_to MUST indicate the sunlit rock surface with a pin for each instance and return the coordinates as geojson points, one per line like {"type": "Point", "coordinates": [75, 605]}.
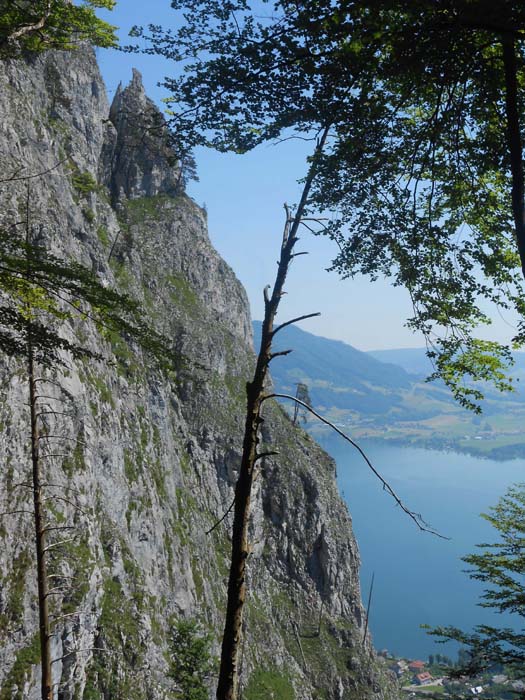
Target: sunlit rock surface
{"type": "Point", "coordinates": [144, 462]}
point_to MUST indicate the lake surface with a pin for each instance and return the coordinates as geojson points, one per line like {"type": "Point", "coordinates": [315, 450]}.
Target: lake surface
{"type": "Point", "coordinates": [419, 578]}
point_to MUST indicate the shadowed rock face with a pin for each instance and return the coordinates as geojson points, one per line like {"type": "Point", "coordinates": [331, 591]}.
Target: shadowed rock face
{"type": "Point", "coordinates": [151, 459]}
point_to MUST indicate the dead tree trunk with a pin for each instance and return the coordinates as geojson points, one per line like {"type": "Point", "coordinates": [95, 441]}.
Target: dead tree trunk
{"type": "Point", "coordinates": [38, 499]}
{"type": "Point", "coordinates": [40, 533]}
{"type": "Point", "coordinates": [227, 688]}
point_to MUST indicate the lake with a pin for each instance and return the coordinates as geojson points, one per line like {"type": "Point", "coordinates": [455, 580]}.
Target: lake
{"type": "Point", "coordinates": [419, 578]}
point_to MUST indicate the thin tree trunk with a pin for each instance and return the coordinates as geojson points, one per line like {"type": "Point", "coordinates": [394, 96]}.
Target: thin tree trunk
{"type": "Point", "coordinates": [228, 685]}
{"type": "Point", "coordinates": [514, 142]}
{"type": "Point", "coordinates": [38, 501]}
{"type": "Point", "coordinates": [40, 535]}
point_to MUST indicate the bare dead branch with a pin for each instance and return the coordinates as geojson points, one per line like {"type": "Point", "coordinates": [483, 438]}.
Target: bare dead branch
{"type": "Point", "coordinates": [416, 517]}
{"type": "Point", "coordinates": [50, 436]}
{"type": "Point", "coordinates": [77, 651]}
{"type": "Point", "coordinates": [69, 578]}
{"type": "Point", "coordinates": [66, 500]}
{"type": "Point", "coordinates": [23, 484]}
{"type": "Point", "coordinates": [16, 178]}
{"type": "Point", "coordinates": [262, 455]}
{"type": "Point", "coordinates": [54, 619]}
{"type": "Point", "coordinates": [281, 353]}
{"type": "Point", "coordinates": [15, 512]}
{"type": "Point", "coordinates": [66, 487]}
{"type": "Point", "coordinates": [294, 320]}
{"type": "Point", "coordinates": [222, 518]}
{"type": "Point", "coordinates": [298, 639]}
{"type": "Point", "coordinates": [58, 544]}
{"type": "Point", "coordinates": [310, 228]}
{"type": "Point", "coordinates": [54, 413]}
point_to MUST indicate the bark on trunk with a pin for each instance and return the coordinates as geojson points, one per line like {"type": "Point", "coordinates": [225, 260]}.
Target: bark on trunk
{"type": "Point", "coordinates": [514, 143]}
{"type": "Point", "coordinates": [40, 535]}
{"type": "Point", "coordinates": [38, 501]}
{"type": "Point", "coordinates": [228, 685]}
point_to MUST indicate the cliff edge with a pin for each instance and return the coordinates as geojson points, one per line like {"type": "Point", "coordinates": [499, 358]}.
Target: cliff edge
{"type": "Point", "coordinates": [146, 462]}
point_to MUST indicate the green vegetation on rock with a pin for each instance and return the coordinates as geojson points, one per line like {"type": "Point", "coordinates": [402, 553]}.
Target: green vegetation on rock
{"type": "Point", "coordinates": [25, 658]}
{"type": "Point", "coordinates": [269, 683]}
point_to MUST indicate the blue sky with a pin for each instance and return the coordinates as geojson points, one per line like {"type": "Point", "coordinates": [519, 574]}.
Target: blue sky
{"type": "Point", "coordinates": [244, 197]}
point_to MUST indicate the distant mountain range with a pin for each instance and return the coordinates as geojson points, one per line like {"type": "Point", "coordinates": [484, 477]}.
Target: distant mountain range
{"type": "Point", "coordinates": [416, 362]}
{"type": "Point", "coordinates": [383, 395]}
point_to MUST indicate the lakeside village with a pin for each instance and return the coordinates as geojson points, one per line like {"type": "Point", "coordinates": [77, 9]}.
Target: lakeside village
{"type": "Point", "coordinates": [436, 677]}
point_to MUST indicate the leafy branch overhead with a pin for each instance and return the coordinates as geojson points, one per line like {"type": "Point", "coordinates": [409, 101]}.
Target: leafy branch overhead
{"type": "Point", "coordinates": [423, 169]}
{"type": "Point", "coordinates": [52, 24]}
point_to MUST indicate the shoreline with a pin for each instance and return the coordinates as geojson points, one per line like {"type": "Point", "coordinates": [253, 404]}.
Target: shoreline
{"type": "Point", "coordinates": [498, 453]}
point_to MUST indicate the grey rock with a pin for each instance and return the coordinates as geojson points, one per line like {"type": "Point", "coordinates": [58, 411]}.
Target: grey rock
{"type": "Point", "coordinates": [148, 460]}
{"type": "Point", "coordinates": [137, 159]}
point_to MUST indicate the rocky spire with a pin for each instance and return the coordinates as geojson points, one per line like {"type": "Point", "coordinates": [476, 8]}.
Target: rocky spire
{"type": "Point", "coordinates": [139, 161]}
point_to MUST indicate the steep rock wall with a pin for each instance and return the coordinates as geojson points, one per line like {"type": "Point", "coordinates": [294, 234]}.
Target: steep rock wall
{"type": "Point", "coordinates": [146, 462]}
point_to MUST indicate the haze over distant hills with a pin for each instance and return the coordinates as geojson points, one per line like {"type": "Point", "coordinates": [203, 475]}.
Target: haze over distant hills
{"type": "Point", "coordinates": [383, 395]}
{"type": "Point", "coordinates": [416, 362]}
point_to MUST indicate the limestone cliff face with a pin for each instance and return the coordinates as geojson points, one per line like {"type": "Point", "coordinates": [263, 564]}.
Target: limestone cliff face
{"type": "Point", "coordinates": [145, 463]}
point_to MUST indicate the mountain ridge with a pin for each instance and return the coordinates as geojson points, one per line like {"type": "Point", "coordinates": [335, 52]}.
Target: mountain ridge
{"type": "Point", "coordinates": [385, 401]}
{"type": "Point", "coordinates": [150, 460]}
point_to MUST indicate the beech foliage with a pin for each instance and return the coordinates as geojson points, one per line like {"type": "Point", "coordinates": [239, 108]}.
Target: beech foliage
{"type": "Point", "coordinates": [37, 25]}
{"type": "Point", "coordinates": [422, 168]}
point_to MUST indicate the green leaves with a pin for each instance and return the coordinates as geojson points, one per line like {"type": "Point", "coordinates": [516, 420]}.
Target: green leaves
{"type": "Point", "coordinates": [41, 293]}
{"type": "Point", "coordinates": [500, 565]}
{"type": "Point", "coordinates": [190, 660]}
{"type": "Point", "coordinates": [417, 169]}
{"type": "Point", "coordinates": [46, 24]}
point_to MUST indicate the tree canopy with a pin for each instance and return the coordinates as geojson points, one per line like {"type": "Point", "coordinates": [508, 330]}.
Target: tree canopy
{"type": "Point", "coordinates": [36, 25]}
{"type": "Point", "coordinates": [423, 169]}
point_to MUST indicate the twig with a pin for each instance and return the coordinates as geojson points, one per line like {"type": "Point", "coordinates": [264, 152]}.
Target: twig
{"type": "Point", "coordinates": [416, 517]}
{"type": "Point", "coordinates": [222, 518]}
{"type": "Point", "coordinates": [294, 320]}
{"type": "Point", "coordinates": [368, 607]}
{"type": "Point", "coordinates": [30, 177]}
{"type": "Point", "coordinates": [77, 651]}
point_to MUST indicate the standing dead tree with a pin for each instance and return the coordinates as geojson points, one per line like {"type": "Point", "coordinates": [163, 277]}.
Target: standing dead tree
{"type": "Point", "coordinates": [227, 688]}
{"type": "Point", "coordinates": [228, 685]}
{"type": "Point", "coordinates": [303, 395]}
{"type": "Point", "coordinates": [40, 532]}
